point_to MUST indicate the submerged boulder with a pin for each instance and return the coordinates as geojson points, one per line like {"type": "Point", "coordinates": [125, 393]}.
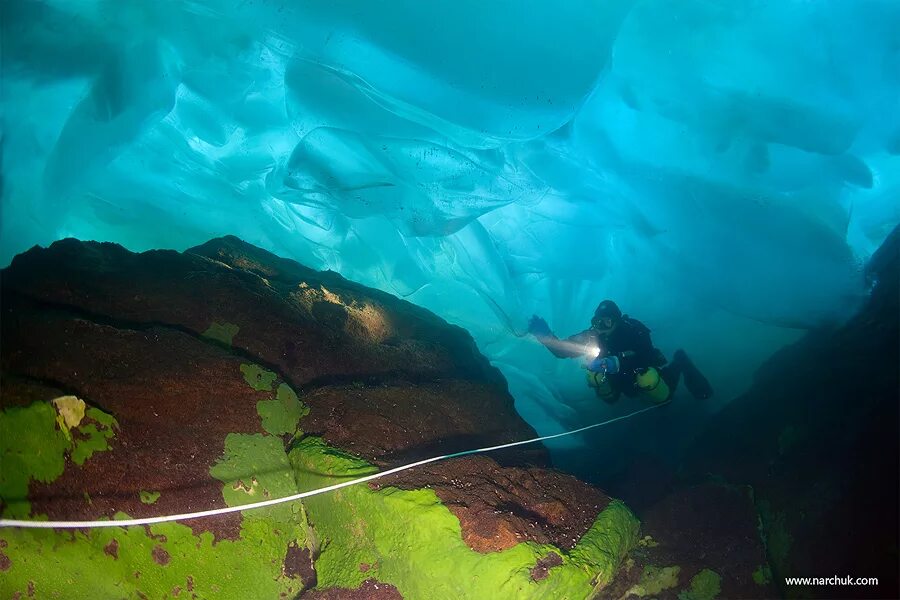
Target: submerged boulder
{"type": "Point", "coordinates": [166, 383]}
{"type": "Point", "coordinates": [816, 436]}
{"type": "Point", "coordinates": [699, 542]}
{"type": "Point", "coordinates": [797, 477]}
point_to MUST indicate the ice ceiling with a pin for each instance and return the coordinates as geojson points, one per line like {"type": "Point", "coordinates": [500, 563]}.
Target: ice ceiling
{"type": "Point", "coordinates": [721, 169]}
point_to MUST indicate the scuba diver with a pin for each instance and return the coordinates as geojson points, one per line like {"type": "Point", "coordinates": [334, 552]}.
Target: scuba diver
{"type": "Point", "coordinates": [622, 359]}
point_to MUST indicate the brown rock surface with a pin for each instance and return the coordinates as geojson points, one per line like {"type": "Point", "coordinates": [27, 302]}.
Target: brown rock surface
{"type": "Point", "coordinates": [318, 331]}
{"type": "Point", "coordinates": [383, 379]}
{"type": "Point", "coordinates": [708, 526]}
{"type": "Point", "coordinates": [369, 590]}
{"type": "Point", "coordinates": [174, 396]}
{"type": "Point", "coordinates": [499, 507]}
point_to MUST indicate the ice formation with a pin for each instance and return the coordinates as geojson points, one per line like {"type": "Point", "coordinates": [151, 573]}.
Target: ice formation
{"type": "Point", "coordinates": [721, 169]}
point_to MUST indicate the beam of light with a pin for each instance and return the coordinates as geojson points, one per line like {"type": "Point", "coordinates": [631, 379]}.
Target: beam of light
{"type": "Point", "coordinates": [589, 351]}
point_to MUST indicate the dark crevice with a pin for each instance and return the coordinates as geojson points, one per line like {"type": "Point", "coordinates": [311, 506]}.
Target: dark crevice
{"type": "Point", "coordinates": [142, 326]}
{"type": "Point", "coordinates": [523, 513]}
{"type": "Point", "coordinates": [459, 443]}
{"type": "Point", "coordinates": [392, 378]}
{"type": "Point", "coordinates": [66, 389]}
{"type": "Point", "coordinates": [387, 378]}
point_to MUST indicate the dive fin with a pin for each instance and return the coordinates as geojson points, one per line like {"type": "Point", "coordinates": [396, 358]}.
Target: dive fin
{"type": "Point", "coordinates": [694, 380]}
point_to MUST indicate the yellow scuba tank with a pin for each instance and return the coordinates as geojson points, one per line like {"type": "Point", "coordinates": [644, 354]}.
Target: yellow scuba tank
{"type": "Point", "coordinates": [600, 383]}
{"type": "Point", "coordinates": [652, 385]}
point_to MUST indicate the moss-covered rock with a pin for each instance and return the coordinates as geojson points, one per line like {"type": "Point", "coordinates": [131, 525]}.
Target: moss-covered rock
{"type": "Point", "coordinates": [309, 326]}
{"type": "Point", "coordinates": [762, 575]}
{"type": "Point", "coordinates": [693, 529]}
{"type": "Point", "coordinates": [32, 447]}
{"type": "Point", "coordinates": [407, 538]}
{"type": "Point", "coordinates": [222, 332]}
{"type": "Point", "coordinates": [181, 375]}
{"type": "Point", "coordinates": [654, 580]}
{"type": "Point", "coordinates": [705, 585]}
{"type": "Point", "coordinates": [819, 445]}
{"type": "Point", "coordinates": [37, 440]}
{"type": "Point", "coordinates": [149, 497]}
{"type": "Point", "coordinates": [161, 560]}
{"type": "Point", "coordinates": [411, 540]}
{"type": "Point", "coordinates": [281, 414]}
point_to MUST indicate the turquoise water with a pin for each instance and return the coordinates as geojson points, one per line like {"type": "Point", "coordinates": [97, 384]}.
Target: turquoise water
{"type": "Point", "coordinates": [722, 170]}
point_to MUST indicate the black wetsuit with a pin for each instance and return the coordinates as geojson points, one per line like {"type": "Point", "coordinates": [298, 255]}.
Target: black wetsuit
{"type": "Point", "coordinates": [629, 341]}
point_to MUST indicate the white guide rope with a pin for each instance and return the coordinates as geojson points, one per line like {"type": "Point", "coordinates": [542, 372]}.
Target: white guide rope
{"type": "Point", "coordinates": [230, 509]}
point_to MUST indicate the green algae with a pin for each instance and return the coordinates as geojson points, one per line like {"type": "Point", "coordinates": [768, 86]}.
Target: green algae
{"type": "Point", "coordinates": [149, 497]}
{"type": "Point", "coordinates": [705, 585]}
{"type": "Point", "coordinates": [164, 560]}
{"type": "Point", "coordinates": [282, 414]}
{"type": "Point", "coordinates": [169, 560]}
{"type": "Point", "coordinates": [32, 447]}
{"type": "Point", "coordinates": [132, 563]}
{"type": "Point", "coordinates": [222, 332]}
{"type": "Point", "coordinates": [253, 468]}
{"type": "Point", "coordinates": [411, 540]}
{"type": "Point", "coordinates": [613, 534]}
{"type": "Point", "coordinates": [104, 419]}
{"type": "Point", "coordinates": [258, 378]}
{"type": "Point", "coordinates": [762, 575]}
{"type": "Point", "coordinates": [405, 538]}
{"type": "Point", "coordinates": [34, 441]}
{"type": "Point", "coordinates": [95, 440]}
{"type": "Point", "coordinates": [654, 580]}
{"type": "Point", "coordinates": [775, 535]}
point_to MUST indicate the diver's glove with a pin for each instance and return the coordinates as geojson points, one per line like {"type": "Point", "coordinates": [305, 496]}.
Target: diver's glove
{"type": "Point", "coordinates": [538, 327]}
{"type": "Point", "coordinates": [608, 364]}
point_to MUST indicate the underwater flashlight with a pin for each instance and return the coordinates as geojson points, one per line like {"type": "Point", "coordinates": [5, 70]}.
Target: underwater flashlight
{"type": "Point", "coordinates": [592, 351]}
